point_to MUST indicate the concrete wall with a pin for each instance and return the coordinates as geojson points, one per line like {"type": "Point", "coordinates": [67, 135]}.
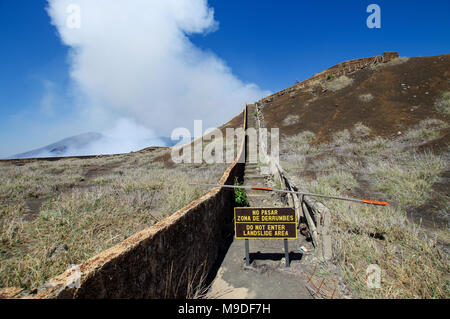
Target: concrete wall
{"type": "Point", "coordinates": [161, 261]}
{"type": "Point", "coordinates": [388, 56]}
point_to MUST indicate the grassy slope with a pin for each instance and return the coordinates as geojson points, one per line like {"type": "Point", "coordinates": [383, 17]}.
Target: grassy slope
{"type": "Point", "coordinates": [367, 135]}
{"type": "Point", "coordinates": [57, 213]}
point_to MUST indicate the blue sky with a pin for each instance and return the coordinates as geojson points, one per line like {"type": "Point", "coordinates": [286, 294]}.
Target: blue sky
{"type": "Point", "coordinates": [269, 43]}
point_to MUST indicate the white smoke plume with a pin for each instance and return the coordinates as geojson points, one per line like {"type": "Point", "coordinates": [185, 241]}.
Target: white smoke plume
{"type": "Point", "coordinates": [125, 136]}
{"type": "Point", "coordinates": [134, 59]}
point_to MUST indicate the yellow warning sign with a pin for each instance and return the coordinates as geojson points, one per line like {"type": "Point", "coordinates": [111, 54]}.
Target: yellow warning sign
{"type": "Point", "coordinates": [263, 222]}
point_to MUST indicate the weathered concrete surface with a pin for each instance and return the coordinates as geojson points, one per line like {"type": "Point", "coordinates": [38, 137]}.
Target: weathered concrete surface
{"type": "Point", "coordinates": [267, 276]}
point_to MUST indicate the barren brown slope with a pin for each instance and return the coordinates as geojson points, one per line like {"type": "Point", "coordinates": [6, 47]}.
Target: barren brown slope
{"type": "Point", "coordinates": [235, 122]}
{"type": "Point", "coordinates": [388, 98]}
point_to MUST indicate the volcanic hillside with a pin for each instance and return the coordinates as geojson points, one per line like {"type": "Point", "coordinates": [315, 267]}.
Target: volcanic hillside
{"type": "Point", "coordinates": [387, 97]}
{"type": "Point", "coordinates": [376, 129]}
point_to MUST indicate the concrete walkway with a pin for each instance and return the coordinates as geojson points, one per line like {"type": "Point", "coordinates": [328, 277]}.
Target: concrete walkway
{"type": "Point", "coordinates": [267, 276]}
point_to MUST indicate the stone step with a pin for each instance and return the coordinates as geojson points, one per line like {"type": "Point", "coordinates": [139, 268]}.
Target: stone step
{"type": "Point", "coordinates": [258, 202]}
{"type": "Point", "coordinates": [252, 158]}
{"type": "Point", "coordinates": [250, 165]}
{"type": "Point", "coordinates": [254, 173]}
{"type": "Point", "coordinates": [253, 192]}
{"type": "Point", "coordinates": [254, 176]}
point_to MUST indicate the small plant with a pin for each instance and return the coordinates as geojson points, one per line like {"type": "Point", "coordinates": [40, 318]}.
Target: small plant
{"type": "Point", "coordinates": [277, 183]}
{"type": "Point", "coordinates": [341, 138]}
{"type": "Point", "coordinates": [443, 103]}
{"type": "Point", "coordinates": [240, 196]}
{"type": "Point", "coordinates": [425, 131]}
{"type": "Point", "coordinates": [299, 144]}
{"type": "Point", "coordinates": [366, 97]}
{"type": "Point", "coordinates": [335, 84]}
{"type": "Point", "coordinates": [360, 131]}
{"type": "Point", "coordinates": [291, 120]}
{"type": "Point", "coordinates": [330, 77]}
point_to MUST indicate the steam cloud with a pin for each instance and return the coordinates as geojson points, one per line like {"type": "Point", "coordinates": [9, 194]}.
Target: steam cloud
{"type": "Point", "coordinates": [125, 136]}
{"type": "Point", "coordinates": [134, 60]}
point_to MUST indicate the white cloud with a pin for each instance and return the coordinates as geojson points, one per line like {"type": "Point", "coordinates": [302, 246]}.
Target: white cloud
{"type": "Point", "coordinates": [133, 59]}
{"type": "Point", "coordinates": [125, 136]}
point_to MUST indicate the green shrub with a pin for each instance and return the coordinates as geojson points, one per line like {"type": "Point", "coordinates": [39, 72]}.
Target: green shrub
{"type": "Point", "coordinates": [240, 196]}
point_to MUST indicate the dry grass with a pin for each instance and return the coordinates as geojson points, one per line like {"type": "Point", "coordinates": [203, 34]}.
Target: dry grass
{"type": "Point", "coordinates": [298, 144]}
{"type": "Point", "coordinates": [366, 97]}
{"type": "Point", "coordinates": [293, 162]}
{"type": "Point", "coordinates": [341, 138]}
{"type": "Point", "coordinates": [82, 214]}
{"type": "Point", "coordinates": [360, 132]}
{"type": "Point", "coordinates": [443, 103]}
{"type": "Point", "coordinates": [337, 83]}
{"type": "Point", "coordinates": [326, 164]}
{"type": "Point", "coordinates": [291, 120]}
{"type": "Point", "coordinates": [372, 147]}
{"type": "Point", "coordinates": [34, 181]}
{"type": "Point", "coordinates": [192, 281]}
{"type": "Point", "coordinates": [406, 177]}
{"type": "Point", "coordinates": [365, 235]}
{"type": "Point", "coordinates": [412, 264]}
{"type": "Point", "coordinates": [425, 131]}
